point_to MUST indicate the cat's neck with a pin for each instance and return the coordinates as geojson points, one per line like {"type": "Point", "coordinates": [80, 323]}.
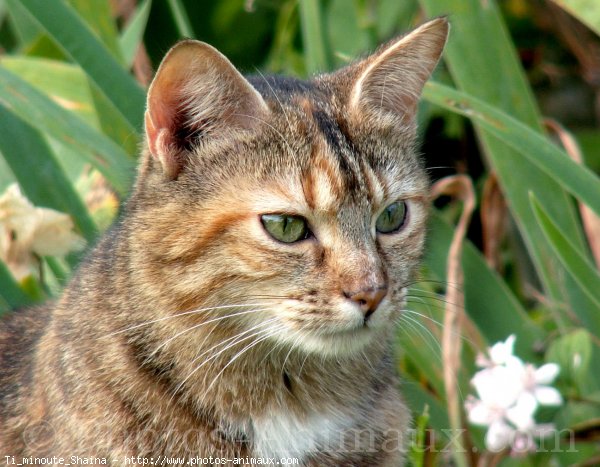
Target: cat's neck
{"type": "Point", "coordinates": [247, 378]}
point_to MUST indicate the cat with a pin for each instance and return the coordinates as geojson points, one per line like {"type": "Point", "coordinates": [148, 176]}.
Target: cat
{"type": "Point", "coordinates": [244, 304]}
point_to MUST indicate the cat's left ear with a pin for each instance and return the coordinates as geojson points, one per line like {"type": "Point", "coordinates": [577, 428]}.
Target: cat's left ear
{"type": "Point", "coordinates": [389, 83]}
{"type": "Point", "coordinates": [197, 93]}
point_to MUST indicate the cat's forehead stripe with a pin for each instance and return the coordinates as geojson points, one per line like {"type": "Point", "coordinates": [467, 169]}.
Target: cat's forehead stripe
{"type": "Point", "coordinates": [323, 185]}
{"type": "Point", "coordinates": [340, 147]}
{"type": "Point", "coordinates": [336, 170]}
{"type": "Point", "coordinates": [376, 190]}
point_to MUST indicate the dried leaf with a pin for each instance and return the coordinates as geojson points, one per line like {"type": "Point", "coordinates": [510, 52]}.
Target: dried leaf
{"type": "Point", "coordinates": [28, 232]}
{"type": "Point", "coordinates": [493, 220]}
{"type": "Point", "coordinates": [591, 222]}
{"type": "Point", "coordinates": [460, 187]}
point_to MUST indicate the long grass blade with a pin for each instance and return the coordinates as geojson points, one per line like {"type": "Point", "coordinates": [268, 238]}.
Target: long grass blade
{"type": "Point", "coordinates": [582, 270]}
{"type": "Point", "coordinates": [24, 148]}
{"type": "Point", "coordinates": [98, 17]}
{"type": "Point", "coordinates": [48, 117]}
{"type": "Point", "coordinates": [67, 28]}
{"type": "Point", "coordinates": [578, 180]}
{"type": "Point", "coordinates": [316, 53]}
{"type": "Point", "coordinates": [133, 33]}
{"type": "Point", "coordinates": [10, 292]}
{"type": "Point", "coordinates": [488, 301]}
{"type": "Point", "coordinates": [182, 21]}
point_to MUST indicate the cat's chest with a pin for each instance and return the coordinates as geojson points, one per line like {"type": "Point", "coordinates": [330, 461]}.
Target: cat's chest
{"type": "Point", "coordinates": [284, 434]}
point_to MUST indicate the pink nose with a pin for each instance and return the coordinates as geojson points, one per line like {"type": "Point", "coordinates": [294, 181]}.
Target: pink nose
{"type": "Point", "coordinates": [368, 299]}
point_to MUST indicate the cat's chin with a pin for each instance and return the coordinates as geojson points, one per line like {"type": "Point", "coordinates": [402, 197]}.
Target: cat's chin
{"type": "Point", "coordinates": [336, 344]}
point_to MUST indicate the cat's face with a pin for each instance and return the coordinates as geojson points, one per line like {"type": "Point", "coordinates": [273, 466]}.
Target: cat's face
{"type": "Point", "coordinates": [300, 204]}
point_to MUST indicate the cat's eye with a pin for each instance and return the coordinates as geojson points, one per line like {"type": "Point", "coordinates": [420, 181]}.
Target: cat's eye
{"type": "Point", "coordinates": [392, 218]}
{"type": "Point", "coordinates": [285, 228]}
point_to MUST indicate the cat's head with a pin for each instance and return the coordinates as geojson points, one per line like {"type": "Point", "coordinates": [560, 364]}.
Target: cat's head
{"type": "Point", "coordinates": [303, 200]}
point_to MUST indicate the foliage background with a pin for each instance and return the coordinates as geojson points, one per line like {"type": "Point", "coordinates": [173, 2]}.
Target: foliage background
{"type": "Point", "coordinates": [72, 80]}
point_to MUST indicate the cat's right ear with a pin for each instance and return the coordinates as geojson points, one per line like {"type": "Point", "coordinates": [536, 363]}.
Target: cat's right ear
{"type": "Point", "coordinates": [387, 85]}
{"type": "Point", "coordinates": [196, 93]}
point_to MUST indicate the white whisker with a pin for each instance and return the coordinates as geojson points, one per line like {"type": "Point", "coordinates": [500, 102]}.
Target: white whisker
{"type": "Point", "coordinates": [272, 128]}
{"type": "Point", "coordinates": [268, 335]}
{"type": "Point", "coordinates": [197, 310]}
{"type": "Point", "coordinates": [213, 357]}
{"type": "Point", "coordinates": [419, 326]}
{"type": "Point", "coordinates": [233, 315]}
{"type": "Point", "coordinates": [277, 98]}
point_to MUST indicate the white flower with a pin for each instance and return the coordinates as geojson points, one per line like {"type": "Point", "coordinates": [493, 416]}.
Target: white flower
{"type": "Point", "coordinates": [27, 231]}
{"type": "Point", "coordinates": [501, 352]}
{"type": "Point", "coordinates": [509, 392]}
{"type": "Point", "coordinates": [536, 382]}
{"type": "Point", "coordinates": [520, 415]}
{"type": "Point", "coordinates": [498, 386]}
{"type": "Point", "coordinates": [499, 436]}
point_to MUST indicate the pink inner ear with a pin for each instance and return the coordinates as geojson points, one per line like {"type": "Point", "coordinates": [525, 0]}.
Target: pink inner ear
{"type": "Point", "coordinates": [161, 114]}
{"type": "Point", "coordinates": [160, 130]}
{"type": "Point", "coordinates": [151, 133]}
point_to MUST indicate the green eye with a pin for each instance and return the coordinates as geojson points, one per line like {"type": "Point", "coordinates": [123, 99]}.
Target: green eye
{"type": "Point", "coordinates": [287, 229]}
{"type": "Point", "coordinates": [392, 218]}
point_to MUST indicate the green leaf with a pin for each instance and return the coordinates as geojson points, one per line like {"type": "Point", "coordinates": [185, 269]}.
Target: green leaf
{"type": "Point", "coordinates": [582, 270]}
{"type": "Point", "coordinates": [42, 113]}
{"type": "Point", "coordinates": [283, 56]}
{"type": "Point", "coordinates": [6, 176]}
{"type": "Point", "coordinates": [63, 82]}
{"type": "Point", "coordinates": [570, 451]}
{"type": "Point", "coordinates": [112, 122]}
{"type": "Point", "coordinates": [579, 415]}
{"type": "Point", "coordinates": [69, 86]}
{"type": "Point", "coordinates": [98, 17]}
{"type": "Point", "coordinates": [488, 301]}
{"type": "Point", "coordinates": [490, 70]}
{"type": "Point", "coordinates": [182, 21]}
{"type": "Point", "coordinates": [64, 25]}
{"type": "Point", "coordinates": [394, 17]}
{"type": "Point", "coordinates": [417, 398]}
{"type": "Point", "coordinates": [589, 142]}
{"type": "Point", "coordinates": [23, 148]}
{"type": "Point", "coordinates": [479, 67]}
{"type": "Point", "coordinates": [575, 178]}
{"type": "Point", "coordinates": [578, 361]}
{"type": "Point", "coordinates": [33, 288]}
{"type": "Point", "coordinates": [416, 454]}
{"type": "Point", "coordinates": [418, 342]}
{"type": "Point", "coordinates": [10, 292]}
{"type": "Point", "coordinates": [133, 34]}
{"type": "Point", "coordinates": [316, 51]}
{"type": "Point", "coordinates": [61, 272]}
{"type": "Point", "coordinates": [586, 11]}
{"type": "Point", "coordinates": [26, 29]}
{"type": "Point", "coordinates": [350, 32]}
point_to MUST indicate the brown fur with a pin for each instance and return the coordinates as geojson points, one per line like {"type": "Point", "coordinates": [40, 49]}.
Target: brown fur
{"type": "Point", "coordinates": [133, 360]}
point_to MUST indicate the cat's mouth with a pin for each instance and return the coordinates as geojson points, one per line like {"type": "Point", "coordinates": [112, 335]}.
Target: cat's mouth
{"type": "Point", "coordinates": [348, 332]}
{"type": "Point", "coordinates": [346, 341]}
{"type": "Point", "coordinates": [336, 342]}
{"type": "Point", "coordinates": [342, 331]}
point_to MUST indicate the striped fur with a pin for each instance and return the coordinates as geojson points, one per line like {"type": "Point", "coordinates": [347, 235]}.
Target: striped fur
{"type": "Point", "coordinates": [188, 330]}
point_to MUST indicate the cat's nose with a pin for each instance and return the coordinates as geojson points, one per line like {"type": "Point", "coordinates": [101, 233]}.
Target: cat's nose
{"type": "Point", "coordinates": [368, 299]}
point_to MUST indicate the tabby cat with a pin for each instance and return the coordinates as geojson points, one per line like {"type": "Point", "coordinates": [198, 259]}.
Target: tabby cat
{"type": "Point", "coordinates": [245, 303]}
